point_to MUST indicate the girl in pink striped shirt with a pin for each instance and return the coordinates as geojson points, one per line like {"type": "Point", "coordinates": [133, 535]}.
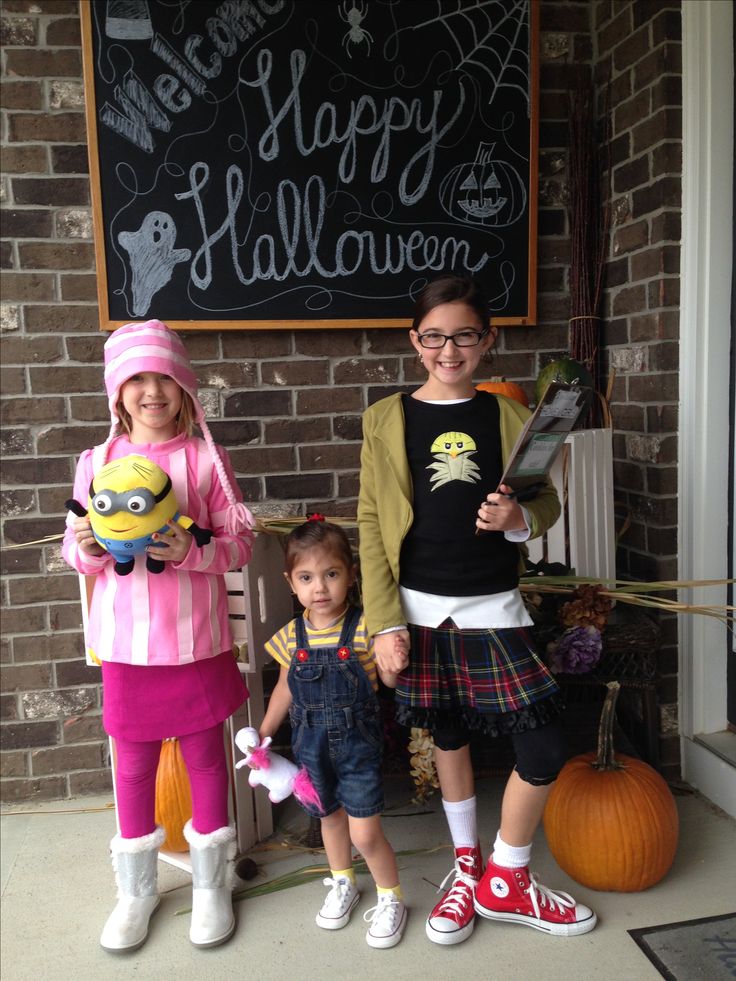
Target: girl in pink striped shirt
{"type": "Point", "coordinates": [163, 639]}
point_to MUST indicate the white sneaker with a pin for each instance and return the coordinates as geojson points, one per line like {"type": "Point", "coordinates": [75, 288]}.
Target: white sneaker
{"type": "Point", "coordinates": [340, 902]}
{"type": "Point", "coordinates": [387, 919]}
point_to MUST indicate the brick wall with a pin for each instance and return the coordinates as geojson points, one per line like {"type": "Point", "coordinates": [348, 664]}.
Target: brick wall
{"type": "Point", "coordinates": [288, 404]}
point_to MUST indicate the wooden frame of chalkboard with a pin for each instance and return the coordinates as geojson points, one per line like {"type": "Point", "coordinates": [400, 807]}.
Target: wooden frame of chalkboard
{"type": "Point", "coordinates": [270, 164]}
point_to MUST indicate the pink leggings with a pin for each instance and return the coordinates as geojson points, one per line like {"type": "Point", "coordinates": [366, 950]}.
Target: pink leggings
{"type": "Point", "coordinates": [135, 782]}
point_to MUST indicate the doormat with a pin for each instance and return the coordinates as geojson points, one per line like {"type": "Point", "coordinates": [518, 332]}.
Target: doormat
{"type": "Point", "coordinates": [692, 950]}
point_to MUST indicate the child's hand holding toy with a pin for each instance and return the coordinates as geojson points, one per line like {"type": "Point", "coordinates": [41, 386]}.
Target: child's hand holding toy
{"type": "Point", "coordinates": [280, 776]}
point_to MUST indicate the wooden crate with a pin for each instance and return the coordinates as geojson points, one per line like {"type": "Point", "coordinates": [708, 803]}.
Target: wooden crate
{"type": "Point", "coordinates": [584, 538]}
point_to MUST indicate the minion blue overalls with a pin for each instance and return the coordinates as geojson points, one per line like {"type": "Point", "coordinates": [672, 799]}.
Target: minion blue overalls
{"type": "Point", "coordinates": [336, 723]}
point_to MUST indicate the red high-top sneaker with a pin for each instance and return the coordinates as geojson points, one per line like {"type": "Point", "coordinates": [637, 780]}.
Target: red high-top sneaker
{"type": "Point", "coordinates": [515, 895]}
{"type": "Point", "coordinates": [452, 919]}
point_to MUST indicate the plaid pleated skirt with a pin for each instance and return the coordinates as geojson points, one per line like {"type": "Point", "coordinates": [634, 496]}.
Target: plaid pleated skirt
{"type": "Point", "coordinates": [490, 681]}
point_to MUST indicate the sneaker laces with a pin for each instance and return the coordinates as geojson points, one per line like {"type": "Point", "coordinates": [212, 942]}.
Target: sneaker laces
{"type": "Point", "coordinates": [541, 895]}
{"type": "Point", "coordinates": [457, 897]}
{"type": "Point", "coordinates": [386, 908]}
{"type": "Point", "coordinates": [337, 898]}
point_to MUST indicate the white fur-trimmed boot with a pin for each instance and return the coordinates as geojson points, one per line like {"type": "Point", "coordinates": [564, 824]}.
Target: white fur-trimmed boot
{"type": "Point", "coordinates": [134, 861]}
{"type": "Point", "coordinates": [213, 876]}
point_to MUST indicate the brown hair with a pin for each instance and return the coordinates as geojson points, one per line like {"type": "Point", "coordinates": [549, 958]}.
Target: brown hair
{"type": "Point", "coordinates": [451, 289]}
{"type": "Point", "coordinates": [316, 532]}
{"type": "Point", "coordinates": [185, 421]}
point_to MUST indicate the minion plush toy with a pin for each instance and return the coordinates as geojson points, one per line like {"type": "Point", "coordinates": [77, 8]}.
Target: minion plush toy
{"type": "Point", "coordinates": [130, 500]}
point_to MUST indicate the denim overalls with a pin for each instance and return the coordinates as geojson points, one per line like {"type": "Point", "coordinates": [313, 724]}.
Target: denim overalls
{"type": "Point", "coordinates": [336, 725]}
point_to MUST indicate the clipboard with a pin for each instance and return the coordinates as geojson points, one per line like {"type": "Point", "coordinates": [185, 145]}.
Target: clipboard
{"type": "Point", "coordinates": [542, 438]}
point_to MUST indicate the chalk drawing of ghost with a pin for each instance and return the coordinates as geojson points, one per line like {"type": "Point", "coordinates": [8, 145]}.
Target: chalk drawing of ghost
{"type": "Point", "coordinates": [152, 257]}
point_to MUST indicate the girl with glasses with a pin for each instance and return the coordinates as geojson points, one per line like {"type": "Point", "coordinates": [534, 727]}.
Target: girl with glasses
{"type": "Point", "coordinates": [440, 550]}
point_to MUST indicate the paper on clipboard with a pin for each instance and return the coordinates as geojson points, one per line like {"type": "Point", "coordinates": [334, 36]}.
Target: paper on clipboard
{"type": "Point", "coordinates": [543, 436]}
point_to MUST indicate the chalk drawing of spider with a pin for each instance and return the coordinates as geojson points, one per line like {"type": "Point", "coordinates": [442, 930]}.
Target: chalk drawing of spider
{"type": "Point", "coordinates": [355, 15]}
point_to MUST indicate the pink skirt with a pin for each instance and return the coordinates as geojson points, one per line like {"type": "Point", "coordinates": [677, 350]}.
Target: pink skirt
{"type": "Point", "coordinates": [147, 702]}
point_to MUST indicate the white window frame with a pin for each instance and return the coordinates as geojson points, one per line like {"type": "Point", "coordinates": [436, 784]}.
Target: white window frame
{"type": "Point", "coordinates": [705, 332]}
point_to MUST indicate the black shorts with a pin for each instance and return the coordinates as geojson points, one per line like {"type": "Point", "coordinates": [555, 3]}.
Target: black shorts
{"type": "Point", "coordinates": [540, 753]}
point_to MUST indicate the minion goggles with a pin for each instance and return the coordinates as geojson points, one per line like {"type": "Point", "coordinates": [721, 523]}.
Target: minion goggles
{"type": "Point", "coordinates": [140, 500]}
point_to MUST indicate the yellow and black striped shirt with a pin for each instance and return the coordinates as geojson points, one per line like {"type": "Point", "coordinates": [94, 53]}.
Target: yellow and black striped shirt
{"type": "Point", "coordinates": [282, 646]}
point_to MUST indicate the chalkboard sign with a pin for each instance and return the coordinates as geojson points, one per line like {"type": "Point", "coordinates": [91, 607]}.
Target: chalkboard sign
{"type": "Point", "coordinates": [267, 163]}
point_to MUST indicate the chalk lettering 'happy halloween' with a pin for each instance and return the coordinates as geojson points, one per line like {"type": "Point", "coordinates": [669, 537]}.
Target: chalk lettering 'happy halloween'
{"type": "Point", "coordinates": [297, 250]}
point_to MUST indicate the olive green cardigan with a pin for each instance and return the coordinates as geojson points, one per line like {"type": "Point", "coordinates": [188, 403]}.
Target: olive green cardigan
{"type": "Point", "coordinates": [385, 511]}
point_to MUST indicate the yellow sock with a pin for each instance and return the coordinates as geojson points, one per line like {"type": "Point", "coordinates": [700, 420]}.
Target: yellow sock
{"type": "Point", "coordinates": [343, 874]}
{"type": "Point", "coordinates": [393, 890]}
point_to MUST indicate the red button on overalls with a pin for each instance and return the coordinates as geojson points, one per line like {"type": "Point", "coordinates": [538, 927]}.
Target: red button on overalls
{"type": "Point", "coordinates": [302, 655]}
{"type": "Point", "coordinates": [344, 653]}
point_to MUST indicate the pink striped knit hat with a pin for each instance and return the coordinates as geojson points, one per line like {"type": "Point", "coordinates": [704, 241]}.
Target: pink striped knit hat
{"type": "Point", "coordinates": [151, 346]}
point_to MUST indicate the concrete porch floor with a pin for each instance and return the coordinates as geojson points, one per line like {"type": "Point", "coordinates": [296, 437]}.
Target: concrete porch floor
{"type": "Point", "coordinates": [57, 890]}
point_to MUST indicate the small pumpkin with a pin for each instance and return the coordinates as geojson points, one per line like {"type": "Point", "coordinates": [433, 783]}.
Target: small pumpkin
{"type": "Point", "coordinates": [173, 796]}
{"type": "Point", "coordinates": [500, 386]}
{"type": "Point", "coordinates": [611, 824]}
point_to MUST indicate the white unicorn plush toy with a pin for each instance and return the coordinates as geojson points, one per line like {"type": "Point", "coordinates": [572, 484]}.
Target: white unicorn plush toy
{"type": "Point", "coordinates": [280, 776]}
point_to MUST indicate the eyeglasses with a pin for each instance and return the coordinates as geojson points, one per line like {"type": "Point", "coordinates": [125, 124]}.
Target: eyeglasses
{"type": "Point", "coordinates": [463, 338]}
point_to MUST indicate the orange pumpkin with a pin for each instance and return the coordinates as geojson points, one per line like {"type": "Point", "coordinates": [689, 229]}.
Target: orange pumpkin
{"type": "Point", "coordinates": [502, 387]}
{"type": "Point", "coordinates": [611, 824]}
{"type": "Point", "coordinates": [173, 796]}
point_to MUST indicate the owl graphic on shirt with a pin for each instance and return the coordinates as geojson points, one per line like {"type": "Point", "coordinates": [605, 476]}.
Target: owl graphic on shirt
{"type": "Point", "coordinates": [452, 452]}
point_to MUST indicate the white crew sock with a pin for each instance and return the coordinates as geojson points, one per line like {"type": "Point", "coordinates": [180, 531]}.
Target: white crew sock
{"type": "Point", "coordinates": [461, 817]}
{"type": "Point", "coordinates": [508, 856]}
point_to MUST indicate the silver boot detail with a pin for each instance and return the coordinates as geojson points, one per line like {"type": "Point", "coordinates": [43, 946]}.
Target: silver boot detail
{"type": "Point", "coordinates": [134, 861]}
{"type": "Point", "coordinates": [213, 876]}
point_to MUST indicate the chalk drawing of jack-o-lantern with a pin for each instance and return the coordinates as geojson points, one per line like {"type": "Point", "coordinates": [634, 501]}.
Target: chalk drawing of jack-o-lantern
{"type": "Point", "coordinates": [484, 191]}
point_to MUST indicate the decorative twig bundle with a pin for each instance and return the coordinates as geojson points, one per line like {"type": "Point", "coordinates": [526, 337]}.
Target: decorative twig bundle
{"type": "Point", "coordinates": [589, 161]}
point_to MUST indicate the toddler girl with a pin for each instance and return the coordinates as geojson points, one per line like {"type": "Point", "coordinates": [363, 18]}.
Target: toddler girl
{"type": "Point", "coordinates": [327, 684]}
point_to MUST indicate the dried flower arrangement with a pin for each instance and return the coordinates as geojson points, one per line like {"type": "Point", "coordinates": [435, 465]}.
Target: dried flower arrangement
{"type": "Point", "coordinates": [423, 771]}
{"type": "Point", "coordinates": [570, 633]}
{"type": "Point", "coordinates": [571, 613]}
{"type": "Point", "coordinates": [585, 615]}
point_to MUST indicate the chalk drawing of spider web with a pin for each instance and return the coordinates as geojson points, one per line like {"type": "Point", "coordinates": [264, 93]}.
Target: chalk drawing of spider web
{"type": "Point", "coordinates": [486, 35]}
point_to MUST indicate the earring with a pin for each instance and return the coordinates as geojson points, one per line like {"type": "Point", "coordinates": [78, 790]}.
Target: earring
{"type": "Point", "coordinates": [421, 359]}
